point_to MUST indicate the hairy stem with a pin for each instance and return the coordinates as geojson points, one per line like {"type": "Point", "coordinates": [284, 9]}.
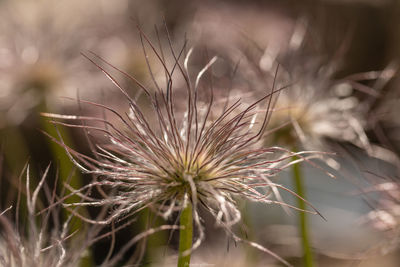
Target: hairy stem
{"type": "Point", "coordinates": [185, 235]}
{"type": "Point", "coordinates": [303, 225]}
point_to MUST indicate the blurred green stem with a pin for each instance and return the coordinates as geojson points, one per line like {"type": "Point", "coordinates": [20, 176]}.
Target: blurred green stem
{"type": "Point", "coordinates": [67, 173]}
{"type": "Point", "coordinates": [152, 243]}
{"type": "Point", "coordinates": [251, 253]}
{"type": "Point", "coordinates": [16, 153]}
{"type": "Point", "coordinates": [185, 235]}
{"type": "Point", "coordinates": [303, 225]}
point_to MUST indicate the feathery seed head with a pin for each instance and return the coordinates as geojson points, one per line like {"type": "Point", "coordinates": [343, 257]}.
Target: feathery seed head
{"type": "Point", "coordinates": [44, 241]}
{"type": "Point", "coordinates": [309, 114]}
{"type": "Point", "coordinates": [188, 154]}
{"type": "Point", "coordinates": [318, 106]}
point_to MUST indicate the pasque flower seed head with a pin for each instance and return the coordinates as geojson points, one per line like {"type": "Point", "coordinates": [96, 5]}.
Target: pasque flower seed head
{"type": "Point", "coordinates": [186, 155]}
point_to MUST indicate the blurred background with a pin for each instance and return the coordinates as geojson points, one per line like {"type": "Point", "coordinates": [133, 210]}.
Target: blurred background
{"type": "Point", "coordinates": [41, 67]}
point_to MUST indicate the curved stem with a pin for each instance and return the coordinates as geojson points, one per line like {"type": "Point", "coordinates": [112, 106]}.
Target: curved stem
{"type": "Point", "coordinates": [185, 235]}
{"type": "Point", "coordinates": [303, 225]}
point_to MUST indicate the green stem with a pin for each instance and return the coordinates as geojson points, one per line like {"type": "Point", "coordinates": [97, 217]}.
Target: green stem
{"type": "Point", "coordinates": [303, 225]}
{"type": "Point", "coordinates": [185, 235]}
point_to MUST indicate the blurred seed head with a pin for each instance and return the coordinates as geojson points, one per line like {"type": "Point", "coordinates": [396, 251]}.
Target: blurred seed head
{"type": "Point", "coordinates": [383, 120]}
{"type": "Point", "coordinates": [318, 109]}
{"type": "Point", "coordinates": [385, 217]}
{"type": "Point", "coordinates": [306, 115]}
{"type": "Point", "coordinates": [39, 44]}
{"type": "Point", "coordinates": [44, 240]}
{"type": "Point", "coordinates": [40, 233]}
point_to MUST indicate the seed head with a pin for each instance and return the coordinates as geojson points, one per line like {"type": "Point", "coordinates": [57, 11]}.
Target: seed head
{"type": "Point", "coordinates": [188, 154]}
{"type": "Point", "coordinates": [45, 243]}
